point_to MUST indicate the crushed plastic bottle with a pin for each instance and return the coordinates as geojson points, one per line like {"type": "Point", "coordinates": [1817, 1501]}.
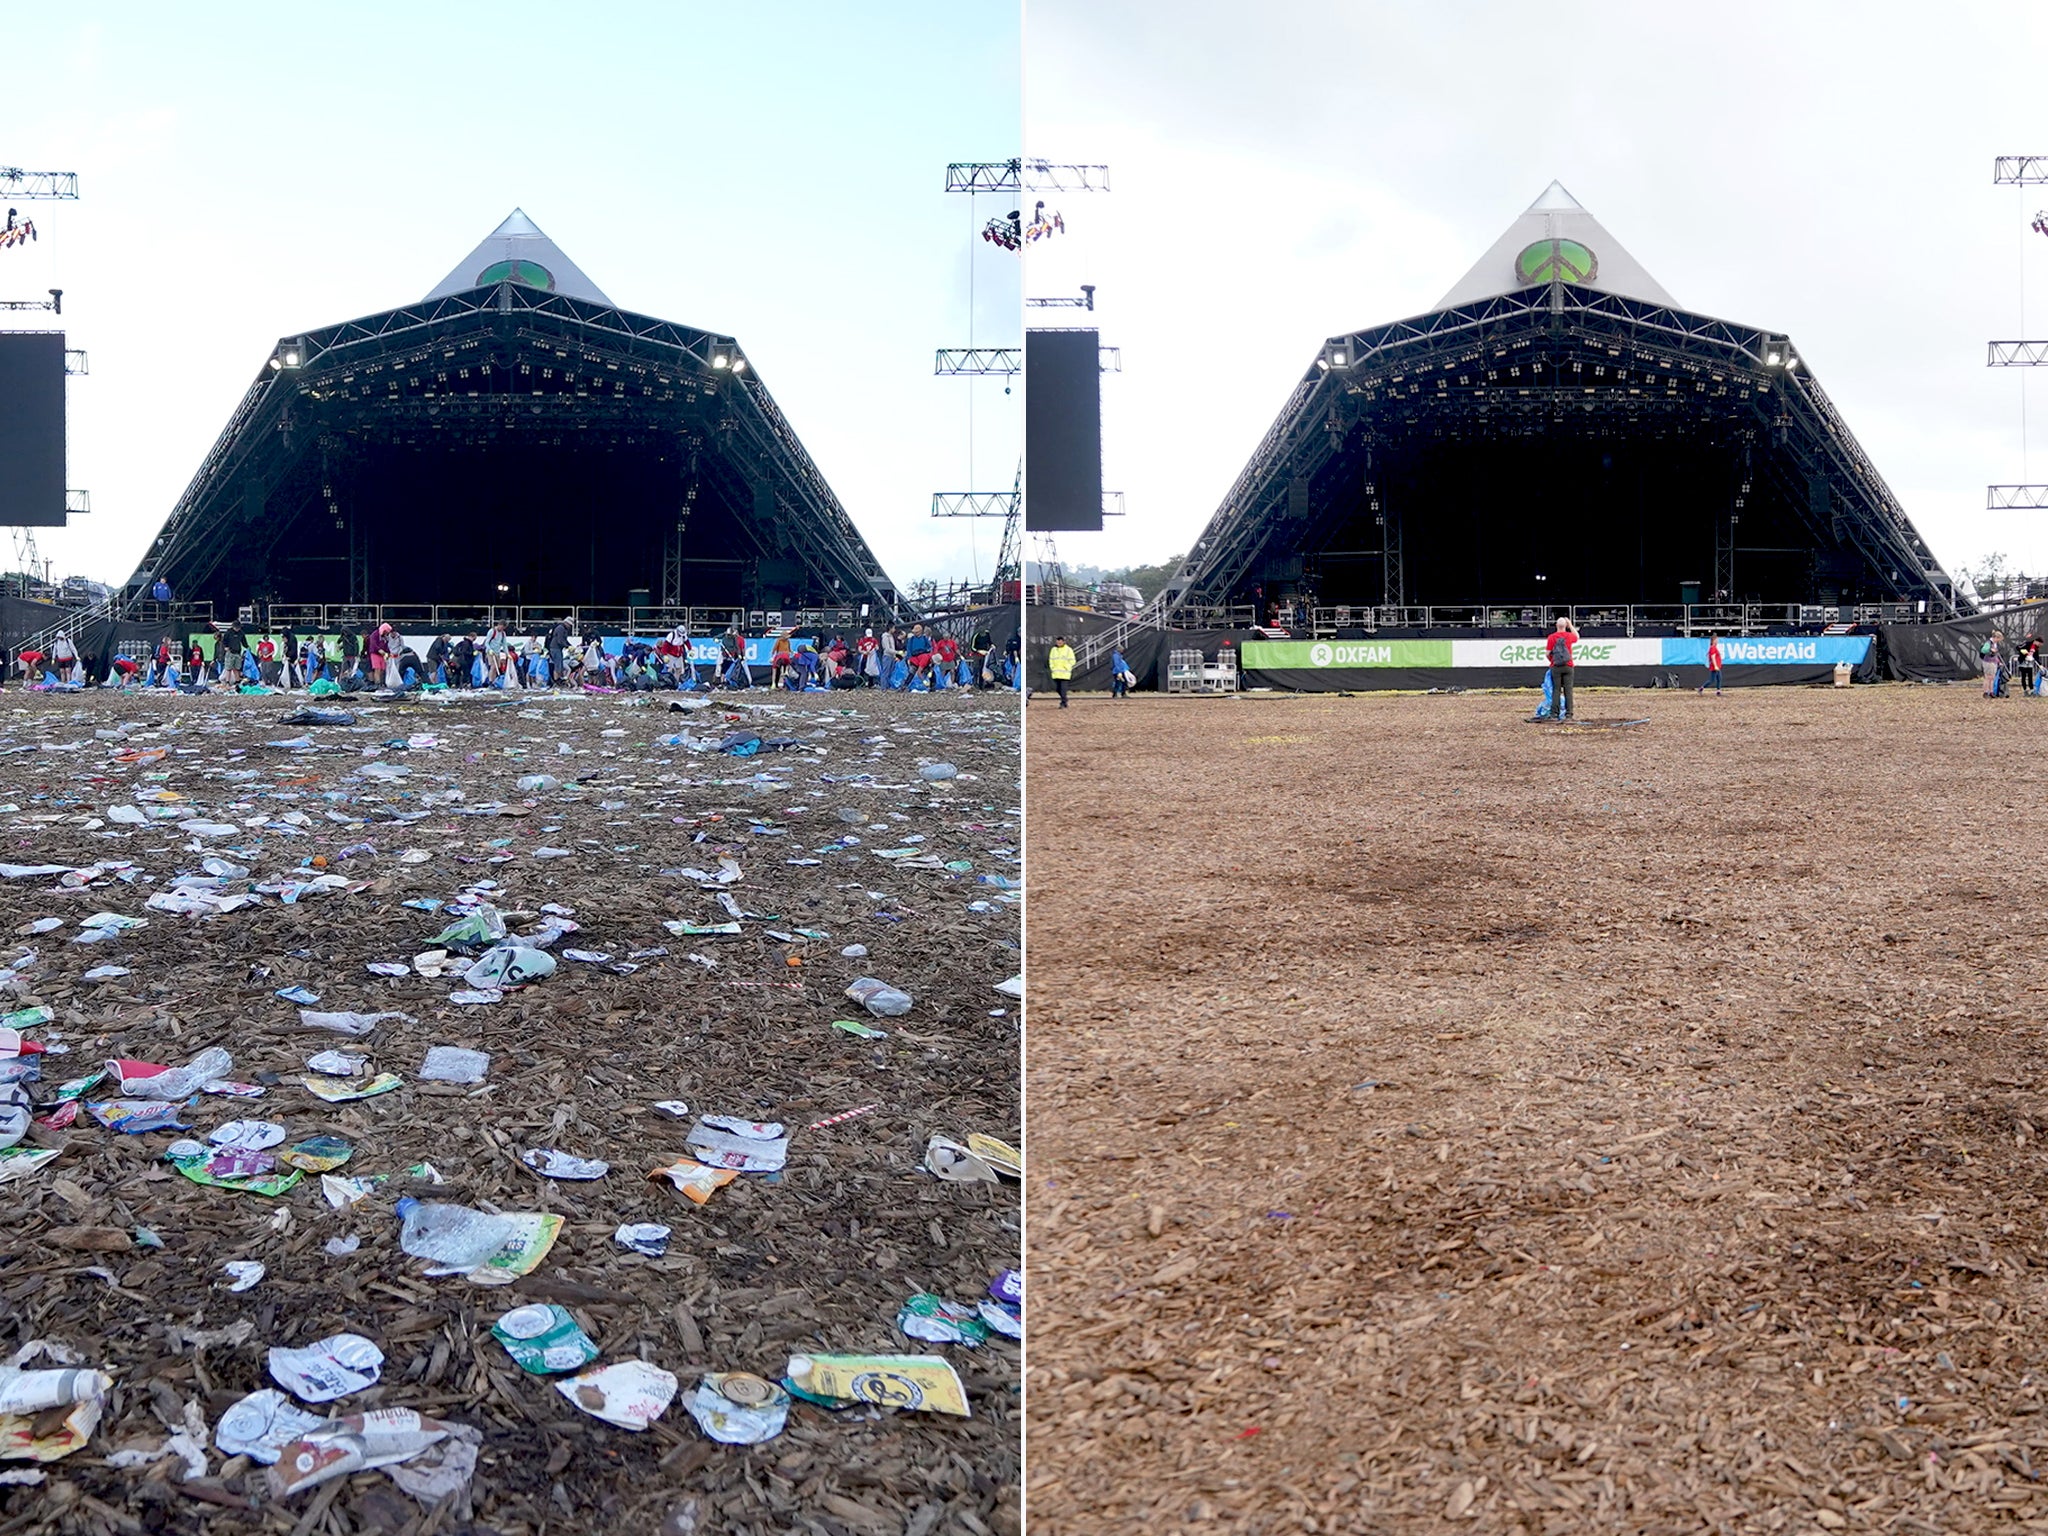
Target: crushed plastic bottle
{"type": "Point", "coordinates": [879, 998]}
{"type": "Point", "coordinates": [452, 1236]}
{"type": "Point", "coordinates": [538, 783]}
{"type": "Point", "coordinates": [937, 773]}
{"type": "Point", "coordinates": [209, 1066]}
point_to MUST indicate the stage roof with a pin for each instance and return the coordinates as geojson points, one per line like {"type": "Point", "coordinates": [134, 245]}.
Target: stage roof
{"type": "Point", "coordinates": [1556, 409]}
{"type": "Point", "coordinates": [1555, 230]}
{"type": "Point", "coordinates": [517, 251]}
{"type": "Point", "coordinates": [601, 452]}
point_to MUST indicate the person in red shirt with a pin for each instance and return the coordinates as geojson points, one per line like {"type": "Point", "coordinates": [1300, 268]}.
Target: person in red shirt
{"type": "Point", "coordinates": [1713, 665]}
{"type": "Point", "coordinates": [1559, 650]}
{"type": "Point", "coordinates": [870, 664]}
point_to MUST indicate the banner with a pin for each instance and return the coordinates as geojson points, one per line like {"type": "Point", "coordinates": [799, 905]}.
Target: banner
{"type": "Point", "coordinates": [1531, 652]}
{"type": "Point", "coordinates": [1277, 655]}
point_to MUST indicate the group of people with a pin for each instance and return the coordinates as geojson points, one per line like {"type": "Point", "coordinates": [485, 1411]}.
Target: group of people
{"type": "Point", "coordinates": [552, 657]}
{"type": "Point", "coordinates": [2008, 667]}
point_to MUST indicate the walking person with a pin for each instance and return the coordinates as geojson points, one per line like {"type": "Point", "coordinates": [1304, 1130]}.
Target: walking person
{"type": "Point", "coordinates": [1713, 666]}
{"type": "Point", "coordinates": [1559, 649]}
{"type": "Point", "coordinates": [558, 651]}
{"type": "Point", "coordinates": [1119, 675]}
{"type": "Point", "coordinates": [1060, 662]}
{"type": "Point", "coordinates": [1994, 665]}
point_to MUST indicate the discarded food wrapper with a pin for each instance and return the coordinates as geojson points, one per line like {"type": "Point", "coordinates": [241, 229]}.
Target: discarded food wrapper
{"type": "Point", "coordinates": [475, 995]}
{"type": "Point", "coordinates": [1008, 1288]}
{"type": "Point", "coordinates": [480, 929]}
{"type": "Point", "coordinates": [334, 1367]}
{"type": "Point", "coordinates": [261, 1425]}
{"type": "Point", "coordinates": [745, 1146]}
{"type": "Point", "coordinates": [380, 1438]}
{"type": "Point", "coordinates": [1014, 987]}
{"type": "Point", "coordinates": [20, 1162]}
{"type": "Point", "coordinates": [912, 1382]}
{"type": "Point", "coordinates": [253, 1134]}
{"type": "Point", "coordinates": [561, 1165]}
{"type": "Point", "coordinates": [939, 1321]}
{"type": "Point", "coordinates": [238, 1168]}
{"type": "Point", "coordinates": [30, 1400]}
{"type": "Point", "coordinates": [674, 1107]}
{"type": "Point", "coordinates": [305, 996]}
{"type": "Point", "coordinates": [999, 1155]}
{"type": "Point", "coordinates": [696, 1180]}
{"type": "Point", "coordinates": [1001, 1319]}
{"type": "Point", "coordinates": [342, 1247]}
{"type": "Point", "coordinates": [357, 1024]}
{"type": "Point", "coordinates": [337, 1090]}
{"type": "Point", "coordinates": [648, 1237]}
{"type": "Point", "coordinates": [738, 1408]}
{"type": "Point", "coordinates": [631, 1394]}
{"type": "Point", "coordinates": [16, 1110]}
{"type": "Point", "coordinates": [317, 1154]}
{"type": "Point", "coordinates": [543, 1339]}
{"type": "Point", "coordinates": [865, 1031]}
{"type": "Point", "coordinates": [243, 1273]}
{"type": "Point", "coordinates": [341, 1192]}
{"type": "Point", "coordinates": [337, 1064]}
{"type": "Point", "coordinates": [136, 1117]}
{"type": "Point", "coordinates": [954, 1163]}
{"type": "Point", "coordinates": [454, 1064]}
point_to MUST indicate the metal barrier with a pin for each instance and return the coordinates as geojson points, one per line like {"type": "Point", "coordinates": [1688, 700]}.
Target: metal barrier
{"type": "Point", "coordinates": [1685, 619]}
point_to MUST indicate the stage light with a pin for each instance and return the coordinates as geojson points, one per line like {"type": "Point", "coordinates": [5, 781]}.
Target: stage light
{"type": "Point", "coordinates": [1323, 363]}
{"type": "Point", "coordinates": [1336, 359]}
{"type": "Point", "coordinates": [739, 365]}
{"type": "Point", "coordinates": [503, 588]}
{"type": "Point", "coordinates": [1773, 359]}
{"type": "Point", "coordinates": [1791, 363]}
{"type": "Point", "coordinates": [721, 361]}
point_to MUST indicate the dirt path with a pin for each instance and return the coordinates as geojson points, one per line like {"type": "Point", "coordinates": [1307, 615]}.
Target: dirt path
{"type": "Point", "coordinates": [1442, 1122]}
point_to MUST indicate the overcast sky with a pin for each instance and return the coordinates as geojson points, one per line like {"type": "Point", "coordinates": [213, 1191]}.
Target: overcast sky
{"type": "Point", "coordinates": [1294, 169]}
{"type": "Point", "coordinates": [773, 171]}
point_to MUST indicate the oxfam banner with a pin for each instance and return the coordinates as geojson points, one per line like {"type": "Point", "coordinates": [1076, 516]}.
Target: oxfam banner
{"type": "Point", "coordinates": [1288, 655]}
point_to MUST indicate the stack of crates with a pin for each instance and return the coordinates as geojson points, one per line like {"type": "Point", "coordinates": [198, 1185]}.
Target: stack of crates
{"type": "Point", "coordinates": [1183, 671]}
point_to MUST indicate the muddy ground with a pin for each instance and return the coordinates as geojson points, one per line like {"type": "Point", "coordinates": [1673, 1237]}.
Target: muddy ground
{"type": "Point", "coordinates": [1443, 1122]}
{"type": "Point", "coordinates": [819, 1258]}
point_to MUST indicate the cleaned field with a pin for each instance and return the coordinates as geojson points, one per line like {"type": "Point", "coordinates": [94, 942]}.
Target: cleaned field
{"type": "Point", "coordinates": [1443, 1122]}
{"type": "Point", "coordinates": [696, 905]}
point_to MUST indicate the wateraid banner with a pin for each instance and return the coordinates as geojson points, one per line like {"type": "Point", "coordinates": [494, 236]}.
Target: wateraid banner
{"type": "Point", "coordinates": [1774, 651]}
{"type": "Point", "coordinates": [1346, 655]}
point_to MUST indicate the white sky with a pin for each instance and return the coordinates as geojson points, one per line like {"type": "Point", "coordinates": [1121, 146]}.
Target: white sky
{"type": "Point", "coordinates": [1294, 169]}
{"type": "Point", "coordinates": [771, 171]}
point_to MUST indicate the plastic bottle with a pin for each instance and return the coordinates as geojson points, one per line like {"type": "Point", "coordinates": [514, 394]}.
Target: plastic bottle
{"type": "Point", "coordinates": [450, 1235]}
{"type": "Point", "coordinates": [933, 773]}
{"type": "Point", "coordinates": [210, 1065]}
{"type": "Point", "coordinates": [538, 783]}
{"type": "Point", "coordinates": [879, 998]}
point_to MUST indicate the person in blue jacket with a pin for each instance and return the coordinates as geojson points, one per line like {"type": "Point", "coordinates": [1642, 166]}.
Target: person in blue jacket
{"type": "Point", "coordinates": [1118, 687]}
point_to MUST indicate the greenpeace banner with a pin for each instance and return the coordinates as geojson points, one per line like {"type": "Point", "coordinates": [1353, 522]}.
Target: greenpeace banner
{"type": "Point", "coordinates": [1806, 651]}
